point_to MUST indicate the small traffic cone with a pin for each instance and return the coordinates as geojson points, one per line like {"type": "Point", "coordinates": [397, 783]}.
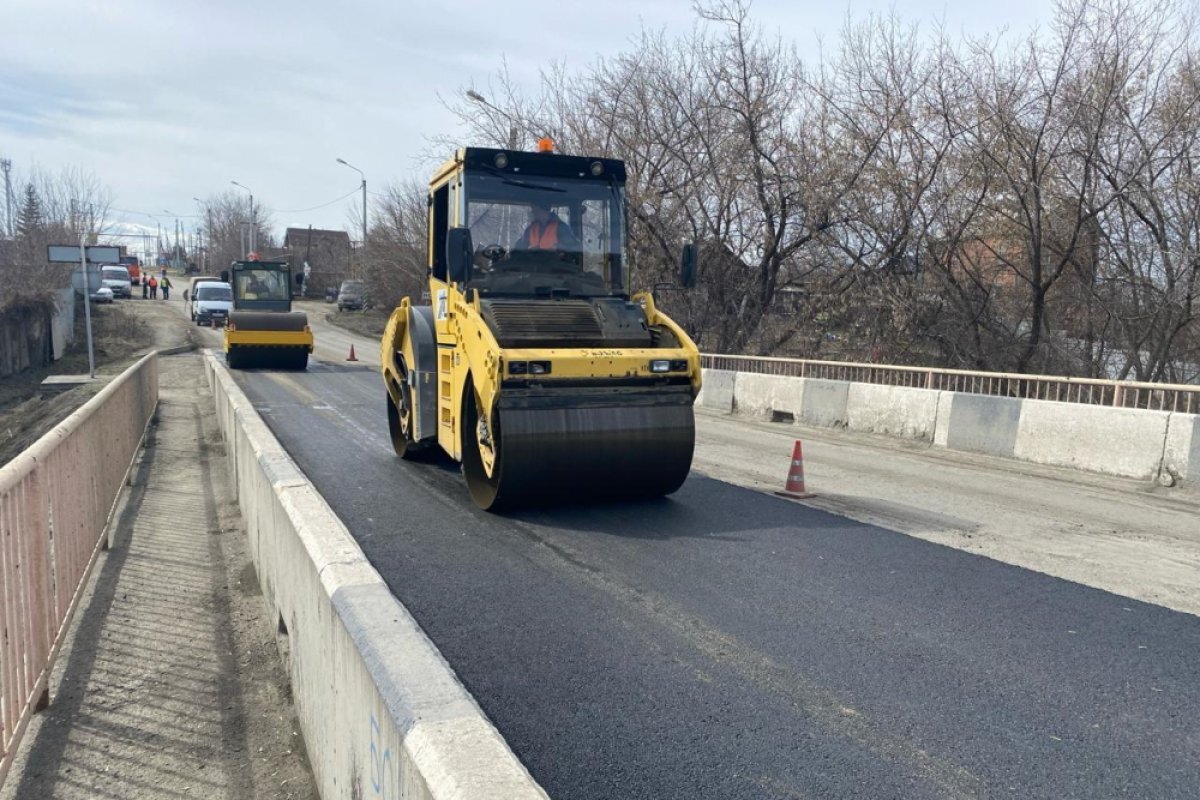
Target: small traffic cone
{"type": "Point", "coordinates": [794, 488]}
{"type": "Point", "coordinates": [352, 357]}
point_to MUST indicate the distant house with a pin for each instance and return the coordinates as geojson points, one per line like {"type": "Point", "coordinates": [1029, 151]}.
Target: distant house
{"type": "Point", "coordinates": [328, 253]}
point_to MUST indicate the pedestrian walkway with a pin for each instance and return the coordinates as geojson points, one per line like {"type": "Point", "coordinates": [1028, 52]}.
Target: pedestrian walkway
{"type": "Point", "coordinates": [171, 685]}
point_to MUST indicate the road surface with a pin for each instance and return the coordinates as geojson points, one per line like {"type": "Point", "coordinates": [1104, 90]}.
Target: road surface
{"type": "Point", "coordinates": [724, 643]}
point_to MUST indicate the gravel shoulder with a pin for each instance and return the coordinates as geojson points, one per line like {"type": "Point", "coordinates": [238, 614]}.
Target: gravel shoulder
{"type": "Point", "coordinates": [170, 683]}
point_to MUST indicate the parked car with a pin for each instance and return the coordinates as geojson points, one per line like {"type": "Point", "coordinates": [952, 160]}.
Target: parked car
{"type": "Point", "coordinates": [212, 303]}
{"type": "Point", "coordinates": [117, 279]}
{"type": "Point", "coordinates": [102, 295]}
{"type": "Point", "coordinates": [352, 295]}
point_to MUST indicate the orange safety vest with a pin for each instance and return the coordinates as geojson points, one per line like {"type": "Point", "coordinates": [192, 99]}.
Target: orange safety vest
{"type": "Point", "coordinates": [547, 239]}
{"type": "Point", "coordinates": [153, 283]}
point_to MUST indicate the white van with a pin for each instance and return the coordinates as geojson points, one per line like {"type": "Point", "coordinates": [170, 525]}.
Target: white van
{"type": "Point", "coordinates": [117, 279]}
{"type": "Point", "coordinates": [211, 302]}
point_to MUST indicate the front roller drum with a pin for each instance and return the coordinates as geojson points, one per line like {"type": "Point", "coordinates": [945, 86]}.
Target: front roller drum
{"type": "Point", "coordinates": [578, 452]}
{"type": "Point", "coordinates": [249, 357]}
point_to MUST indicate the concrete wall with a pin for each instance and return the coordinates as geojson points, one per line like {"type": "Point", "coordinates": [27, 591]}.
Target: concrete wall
{"type": "Point", "coordinates": [1130, 443]}
{"type": "Point", "coordinates": [383, 715]}
{"type": "Point", "coordinates": [62, 322]}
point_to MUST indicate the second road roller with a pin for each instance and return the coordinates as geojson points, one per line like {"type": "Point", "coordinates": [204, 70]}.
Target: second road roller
{"type": "Point", "coordinates": [535, 366]}
{"type": "Point", "coordinates": [262, 330]}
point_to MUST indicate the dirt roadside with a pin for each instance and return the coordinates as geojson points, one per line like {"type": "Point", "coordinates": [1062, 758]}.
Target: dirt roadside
{"type": "Point", "coordinates": [121, 336]}
{"type": "Point", "coordinates": [170, 684]}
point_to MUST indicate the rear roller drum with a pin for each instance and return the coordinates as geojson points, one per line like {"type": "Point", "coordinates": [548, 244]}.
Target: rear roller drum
{"type": "Point", "coordinates": [400, 425]}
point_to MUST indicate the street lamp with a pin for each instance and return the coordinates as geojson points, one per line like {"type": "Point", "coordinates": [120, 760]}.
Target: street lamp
{"type": "Point", "coordinates": [476, 97]}
{"type": "Point", "coordinates": [346, 163]}
{"type": "Point", "coordinates": [253, 226]}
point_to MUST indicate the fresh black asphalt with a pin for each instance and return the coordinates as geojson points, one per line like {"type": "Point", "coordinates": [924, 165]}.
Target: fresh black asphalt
{"type": "Point", "coordinates": [724, 643]}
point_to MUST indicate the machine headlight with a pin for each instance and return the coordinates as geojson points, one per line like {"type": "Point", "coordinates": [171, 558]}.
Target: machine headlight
{"type": "Point", "coordinates": [679, 366]}
{"type": "Point", "coordinates": [660, 365]}
{"type": "Point", "coordinates": [518, 367]}
{"type": "Point", "coordinates": [539, 367]}
{"type": "Point", "coordinates": [597, 168]}
{"type": "Point", "coordinates": [501, 160]}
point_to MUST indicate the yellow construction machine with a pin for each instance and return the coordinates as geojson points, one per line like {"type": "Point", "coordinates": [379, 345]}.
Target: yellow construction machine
{"type": "Point", "coordinates": [535, 366]}
{"type": "Point", "coordinates": [262, 330]}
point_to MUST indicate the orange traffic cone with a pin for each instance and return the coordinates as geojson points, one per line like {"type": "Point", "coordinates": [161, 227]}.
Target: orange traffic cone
{"type": "Point", "coordinates": [794, 488]}
{"type": "Point", "coordinates": [352, 357]}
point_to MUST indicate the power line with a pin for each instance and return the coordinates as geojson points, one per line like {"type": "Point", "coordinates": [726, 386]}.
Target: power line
{"type": "Point", "coordinates": [355, 190]}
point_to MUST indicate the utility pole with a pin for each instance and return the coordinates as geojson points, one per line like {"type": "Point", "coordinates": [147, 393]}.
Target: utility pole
{"type": "Point", "coordinates": [6, 165]}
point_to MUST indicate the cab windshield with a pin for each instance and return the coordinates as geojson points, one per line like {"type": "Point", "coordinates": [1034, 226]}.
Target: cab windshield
{"type": "Point", "coordinates": [114, 274]}
{"type": "Point", "coordinates": [261, 284]}
{"type": "Point", "coordinates": [545, 236]}
{"type": "Point", "coordinates": [208, 292]}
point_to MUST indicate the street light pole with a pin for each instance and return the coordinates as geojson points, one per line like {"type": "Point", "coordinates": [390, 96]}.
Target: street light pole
{"type": "Point", "coordinates": [345, 163]}
{"type": "Point", "coordinates": [253, 225]}
{"type": "Point", "coordinates": [514, 123]}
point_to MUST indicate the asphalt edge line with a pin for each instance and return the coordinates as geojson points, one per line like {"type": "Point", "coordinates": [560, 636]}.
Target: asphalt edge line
{"type": "Point", "coordinates": [381, 711]}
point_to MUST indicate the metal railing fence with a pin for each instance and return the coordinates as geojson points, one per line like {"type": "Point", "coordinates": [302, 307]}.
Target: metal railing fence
{"type": "Point", "coordinates": [1091, 391]}
{"type": "Point", "coordinates": [56, 499]}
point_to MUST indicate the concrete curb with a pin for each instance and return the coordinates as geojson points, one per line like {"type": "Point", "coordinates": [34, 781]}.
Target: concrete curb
{"type": "Point", "coordinates": [383, 714]}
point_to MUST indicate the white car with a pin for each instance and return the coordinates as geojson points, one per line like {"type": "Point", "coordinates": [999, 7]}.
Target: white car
{"type": "Point", "coordinates": [116, 279]}
{"type": "Point", "coordinates": [211, 303]}
{"type": "Point", "coordinates": [102, 295]}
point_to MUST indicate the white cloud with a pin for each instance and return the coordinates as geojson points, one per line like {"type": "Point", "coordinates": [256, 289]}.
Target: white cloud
{"type": "Point", "coordinates": [166, 101]}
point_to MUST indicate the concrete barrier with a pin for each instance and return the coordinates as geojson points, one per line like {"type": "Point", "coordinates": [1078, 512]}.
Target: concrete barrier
{"type": "Point", "coordinates": [716, 390]}
{"type": "Point", "coordinates": [1181, 456]}
{"type": "Point", "coordinates": [892, 410]}
{"type": "Point", "coordinates": [977, 423]}
{"type": "Point", "coordinates": [824, 403]}
{"type": "Point", "coordinates": [1131, 443]}
{"type": "Point", "coordinates": [382, 713]}
{"type": "Point", "coordinates": [762, 395]}
{"type": "Point", "coordinates": [1117, 441]}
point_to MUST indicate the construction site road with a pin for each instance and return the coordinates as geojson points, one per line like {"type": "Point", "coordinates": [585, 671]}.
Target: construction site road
{"type": "Point", "coordinates": [725, 643]}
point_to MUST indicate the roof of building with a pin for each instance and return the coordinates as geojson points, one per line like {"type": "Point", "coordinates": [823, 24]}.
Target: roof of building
{"type": "Point", "coordinates": [298, 237]}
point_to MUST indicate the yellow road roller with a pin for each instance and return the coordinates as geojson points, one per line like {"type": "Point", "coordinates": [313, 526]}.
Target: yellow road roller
{"type": "Point", "coordinates": [262, 330]}
{"type": "Point", "coordinates": [535, 366]}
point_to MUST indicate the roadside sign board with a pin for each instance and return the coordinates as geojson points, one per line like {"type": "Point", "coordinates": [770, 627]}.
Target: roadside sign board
{"type": "Point", "coordinates": [96, 254]}
{"type": "Point", "coordinates": [93, 280]}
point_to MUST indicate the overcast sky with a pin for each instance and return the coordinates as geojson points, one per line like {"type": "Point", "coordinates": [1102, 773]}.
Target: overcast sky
{"type": "Point", "coordinates": [166, 101]}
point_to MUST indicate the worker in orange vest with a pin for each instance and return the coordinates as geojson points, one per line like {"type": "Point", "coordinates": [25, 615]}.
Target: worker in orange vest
{"type": "Point", "coordinates": [547, 232]}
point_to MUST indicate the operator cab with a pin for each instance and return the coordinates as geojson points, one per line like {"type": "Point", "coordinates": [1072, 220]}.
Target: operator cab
{"type": "Point", "coordinates": [531, 225]}
{"type": "Point", "coordinates": [261, 286]}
